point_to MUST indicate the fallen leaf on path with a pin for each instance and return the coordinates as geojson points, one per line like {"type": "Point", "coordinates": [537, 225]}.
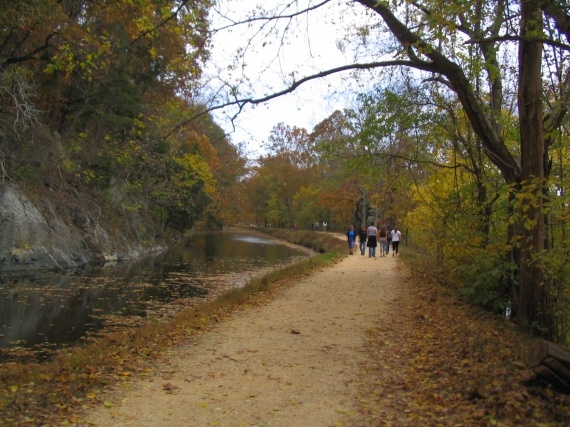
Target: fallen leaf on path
{"type": "Point", "coordinates": [169, 387]}
{"type": "Point", "coordinates": [295, 331]}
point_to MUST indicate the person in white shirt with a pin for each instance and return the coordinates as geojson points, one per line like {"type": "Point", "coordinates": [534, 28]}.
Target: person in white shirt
{"type": "Point", "coordinates": [396, 236]}
{"type": "Point", "coordinates": [371, 234]}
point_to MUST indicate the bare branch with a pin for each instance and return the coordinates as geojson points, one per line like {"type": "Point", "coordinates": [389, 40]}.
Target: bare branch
{"type": "Point", "coordinates": [20, 93]}
{"type": "Point", "coordinates": [546, 41]}
{"type": "Point", "coordinates": [29, 56]}
{"type": "Point", "coordinates": [242, 102]}
{"type": "Point", "coordinates": [268, 18]}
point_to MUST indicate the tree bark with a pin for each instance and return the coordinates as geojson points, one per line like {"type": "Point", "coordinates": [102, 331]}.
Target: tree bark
{"type": "Point", "coordinates": [534, 302]}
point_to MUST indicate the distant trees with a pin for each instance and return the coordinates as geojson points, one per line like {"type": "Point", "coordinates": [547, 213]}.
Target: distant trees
{"type": "Point", "coordinates": [293, 184]}
{"type": "Point", "coordinates": [284, 171]}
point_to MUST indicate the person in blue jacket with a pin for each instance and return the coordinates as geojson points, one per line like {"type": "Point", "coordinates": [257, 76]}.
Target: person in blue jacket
{"type": "Point", "coordinates": [351, 238]}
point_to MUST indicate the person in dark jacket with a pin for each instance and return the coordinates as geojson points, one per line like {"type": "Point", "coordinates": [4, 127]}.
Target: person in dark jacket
{"type": "Point", "coordinates": [362, 239]}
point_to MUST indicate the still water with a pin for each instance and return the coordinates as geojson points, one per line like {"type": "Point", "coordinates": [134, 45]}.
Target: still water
{"type": "Point", "coordinates": [44, 311]}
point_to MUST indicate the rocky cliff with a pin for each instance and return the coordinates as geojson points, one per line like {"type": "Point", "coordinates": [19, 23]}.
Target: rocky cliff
{"type": "Point", "coordinates": [37, 233]}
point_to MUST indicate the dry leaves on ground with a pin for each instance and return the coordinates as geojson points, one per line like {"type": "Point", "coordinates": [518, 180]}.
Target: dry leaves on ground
{"type": "Point", "coordinates": [444, 363]}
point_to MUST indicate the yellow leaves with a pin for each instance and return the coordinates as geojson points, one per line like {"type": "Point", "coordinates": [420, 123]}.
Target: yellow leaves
{"type": "Point", "coordinates": [194, 168]}
{"type": "Point", "coordinates": [207, 151]}
{"type": "Point", "coordinates": [530, 223]}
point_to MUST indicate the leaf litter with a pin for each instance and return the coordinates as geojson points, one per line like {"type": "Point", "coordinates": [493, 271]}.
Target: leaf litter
{"type": "Point", "coordinates": [442, 362]}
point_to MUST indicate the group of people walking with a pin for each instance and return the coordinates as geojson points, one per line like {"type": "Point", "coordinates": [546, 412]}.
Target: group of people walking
{"type": "Point", "coordinates": [371, 237]}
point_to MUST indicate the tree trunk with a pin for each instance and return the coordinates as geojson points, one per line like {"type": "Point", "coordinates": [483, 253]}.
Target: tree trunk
{"type": "Point", "coordinates": [551, 362]}
{"type": "Point", "coordinates": [364, 209]}
{"type": "Point", "coordinates": [534, 303]}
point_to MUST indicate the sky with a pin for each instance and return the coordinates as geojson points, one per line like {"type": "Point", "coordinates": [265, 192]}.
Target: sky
{"type": "Point", "coordinates": [268, 64]}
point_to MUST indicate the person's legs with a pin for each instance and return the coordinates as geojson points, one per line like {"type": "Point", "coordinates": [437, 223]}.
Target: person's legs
{"type": "Point", "coordinates": [395, 248]}
{"type": "Point", "coordinates": [362, 247]}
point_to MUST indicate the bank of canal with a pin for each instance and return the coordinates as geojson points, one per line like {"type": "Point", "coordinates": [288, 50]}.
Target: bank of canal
{"type": "Point", "coordinates": [45, 311]}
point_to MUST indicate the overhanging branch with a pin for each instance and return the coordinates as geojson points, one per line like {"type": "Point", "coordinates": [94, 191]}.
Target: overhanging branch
{"type": "Point", "coordinates": [242, 102]}
{"type": "Point", "coordinates": [268, 18]}
{"type": "Point", "coordinates": [546, 41]}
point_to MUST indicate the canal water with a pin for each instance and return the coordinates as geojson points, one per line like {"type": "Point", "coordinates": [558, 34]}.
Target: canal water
{"type": "Point", "coordinates": [45, 311]}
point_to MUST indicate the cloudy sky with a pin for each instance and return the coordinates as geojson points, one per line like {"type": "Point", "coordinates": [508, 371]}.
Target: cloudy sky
{"type": "Point", "coordinates": [269, 63]}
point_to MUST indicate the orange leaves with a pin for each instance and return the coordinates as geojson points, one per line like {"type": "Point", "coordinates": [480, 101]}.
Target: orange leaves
{"type": "Point", "coordinates": [206, 150]}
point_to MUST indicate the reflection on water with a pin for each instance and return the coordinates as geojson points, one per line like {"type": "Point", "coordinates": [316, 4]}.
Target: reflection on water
{"type": "Point", "coordinates": [48, 310]}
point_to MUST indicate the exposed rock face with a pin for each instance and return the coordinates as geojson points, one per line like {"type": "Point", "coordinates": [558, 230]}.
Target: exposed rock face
{"type": "Point", "coordinates": [37, 235]}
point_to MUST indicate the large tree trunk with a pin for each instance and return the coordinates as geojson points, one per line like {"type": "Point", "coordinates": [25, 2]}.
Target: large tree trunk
{"type": "Point", "coordinates": [534, 303]}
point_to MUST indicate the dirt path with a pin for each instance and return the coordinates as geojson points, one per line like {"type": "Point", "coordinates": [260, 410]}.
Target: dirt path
{"type": "Point", "coordinates": [294, 361]}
